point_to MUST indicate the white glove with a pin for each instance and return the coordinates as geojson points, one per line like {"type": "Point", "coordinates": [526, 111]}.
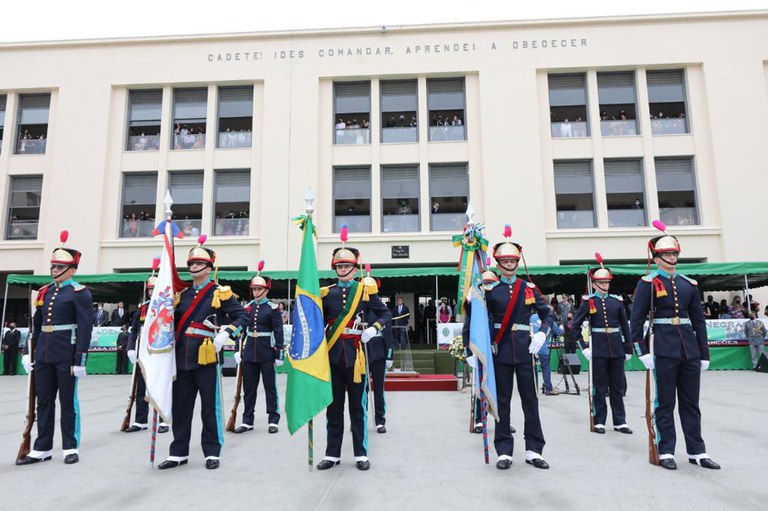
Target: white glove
{"type": "Point", "coordinates": [368, 334]}
{"type": "Point", "coordinates": [78, 371]}
{"type": "Point", "coordinates": [538, 340]}
{"type": "Point", "coordinates": [648, 361]}
{"type": "Point", "coordinates": [390, 363]}
{"type": "Point", "coordinates": [220, 339]}
{"type": "Point", "coordinates": [627, 357]}
{"type": "Point", "coordinates": [587, 352]}
{"type": "Point", "coordinates": [27, 363]}
{"type": "Point", "coordinates": [279, 362]}
{"type": "Point", "coordinates": [132, 356]}
{"type": "Point", "coordinates": [472, 361]}
{"type": "Point", "coordinates": [704, 365]}
{"type": "Point", "coordinates": [238, 358]}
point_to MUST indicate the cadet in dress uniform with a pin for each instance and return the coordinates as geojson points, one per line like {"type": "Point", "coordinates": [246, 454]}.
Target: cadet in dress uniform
{"type": "Point", "coordinates": [610, 346]}
{"type": "Point", "coordinates": [261, 349]}
{"type": "Point", "coordinates": [345, 307]}
{"type": "Point", "coordinates": [199, 308]}
{"type": "Point", "coordinates": [680, 349]}
{"type": "Point", "coordinates": [137, 322]}
{"type": "Point", "coordinates": [510, 303]}
{"type": "Point", "coordinates": [62, 327]}
{"type": "Point", "coordinates": [380, 351]}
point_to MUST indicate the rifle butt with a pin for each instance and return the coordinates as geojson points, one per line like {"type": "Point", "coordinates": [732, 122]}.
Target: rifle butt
{"type": "Point", "coordinates": [653, 449]}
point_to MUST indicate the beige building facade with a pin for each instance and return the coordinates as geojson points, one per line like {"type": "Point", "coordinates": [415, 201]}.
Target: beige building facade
{"type": "Point", "coordinates": [578, 133]}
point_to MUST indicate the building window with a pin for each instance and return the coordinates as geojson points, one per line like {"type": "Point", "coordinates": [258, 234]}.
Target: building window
{"type": "Point", "coordinates": [446, 105]}
{"type": "Point", "coordinates": [618, 108]}
{"type": "Point", "coordinates": [400, 198]}
{"type": "Point", "coordinates": [624, 193]}
{"type": "Point", "coordinates": [138, 212]}
{"type": "Point", "coordinates": [574, 191]}
{"type": "Point", "coordinates": [24, 207]}
{"type": "Point", "coordinates": [144, 112]}
{"type": "Point", "coordinates": [235, 116]}
{"type": "Point", "coordinates": [2, 119]}
{"type": "Point", "coordinates": [352, 198]}
{"type": "Point", "coordinates": [232, 202]}
{"type": "Point", "coordinates": [186, 190]}
{"type": "Point", "coordinates": [33, 123]}
{"type": "Point", "coordinates": [666, 98]}
{"type": "Point", "coordinates": [676, 186]}
{"type": "Point", "coordinates": [399, 107]}
{"type": "Point", "coordinates": [448, 196]}
{"type": "Point", "coordinates": [352, 112]}
{"type": "Point", "coordinates": [568, 105]}
{"type": "Point", "coordinates": [189, 111]}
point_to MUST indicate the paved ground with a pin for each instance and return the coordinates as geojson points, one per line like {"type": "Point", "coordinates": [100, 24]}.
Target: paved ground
{"type": "Point", "coordinates": [427, 460]}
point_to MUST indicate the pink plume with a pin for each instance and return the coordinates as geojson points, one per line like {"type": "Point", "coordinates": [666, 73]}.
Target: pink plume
{"type": "Point", "coordinates": [488, 261]}
{"type": "Point", "coordinates": [598, 257]}
{"type": "Point", "coordinates": [261, 265]}
{"type": "Point", "coordinates": [201, 239]}
{"type": "Point", "coordinates": [155, 263]}
{"type": "Point", "coordinates": [64, 236]}
{"type": "Point", "coordinates": [507, 230]}
{"type": "Point", "coordinates": [344, 234]}
{"type": "Point", "coordinates": [368, 268]}
{"type": "Point", "coordinates": [658, 224]}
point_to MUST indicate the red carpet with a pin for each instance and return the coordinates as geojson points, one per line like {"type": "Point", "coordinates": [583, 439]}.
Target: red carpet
{"type": "Point", "coordinates": [421, 382]}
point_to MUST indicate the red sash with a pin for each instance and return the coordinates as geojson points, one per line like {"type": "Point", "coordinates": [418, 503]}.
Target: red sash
{"type": "Point", "coordinates": [508, 313]}
{"type": "Point", "coordinates": [192, 307]}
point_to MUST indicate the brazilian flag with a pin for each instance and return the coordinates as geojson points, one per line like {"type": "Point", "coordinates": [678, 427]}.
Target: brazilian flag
{"type": "Point", "coordinates": [308, 391]}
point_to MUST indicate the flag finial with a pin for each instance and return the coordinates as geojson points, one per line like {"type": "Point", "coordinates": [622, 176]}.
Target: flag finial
{"type": "Point", "coordinates": [309, 198]}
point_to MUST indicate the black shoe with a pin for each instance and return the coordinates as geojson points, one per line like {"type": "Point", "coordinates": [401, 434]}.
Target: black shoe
{"type": "Point", "coordinates": [599, 431]}
{"type": "Point", "coordinates": [212, 464]}
{"type": "Point", "coordinates": [71, 459]}
{"type": "Point", "coordinates": [272, 428]}
{"type": "Point", "coordinates": [381, 428]}
{"type": "Point", "coordinates": [363, 464]}
{"type": "Point", "coordinates": [624, 429]}
{"type": "Point", "coordinates": [134, 428]}
{"type": "Point", "coordinates": [29, 460]}
{"type": "Point", "coordinates": [242, 429]}
{"type": "Point", "coordinates": [706, 463]}
{"type": "Point", "coordinates": [668, 463]}
{"type": "Point", "coordinates": [326, 464]}
{"type": "Point", "coordinates": [171, 464]}
{"type": "Point", "coordinates": [479, 428]}
{"type": "Point", "coordinates": [538, 463]}
{"type": "Point", "coordinates": [503, 464]}
{"type": "Point", "coordinates": [162, 429]}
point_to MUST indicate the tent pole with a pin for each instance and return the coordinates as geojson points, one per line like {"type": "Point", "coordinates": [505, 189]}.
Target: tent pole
{"type": "Point", "coordinates": [288, 303]}
{"type": "Point", "coordinates": [5, 302]}
{"type": "Point", "coordinates": [437, 310]}
{"type": "Point", "coordinates": [746, 294]}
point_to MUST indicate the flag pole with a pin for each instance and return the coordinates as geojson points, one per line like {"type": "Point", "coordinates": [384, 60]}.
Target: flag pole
{"type": "Point", "coordinates": [309, 198]}
{"type": "Point", "coordinates": [153, 439]}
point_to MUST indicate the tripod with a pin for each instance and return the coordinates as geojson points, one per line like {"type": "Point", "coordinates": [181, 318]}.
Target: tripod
{"type": "Point", "coordinates": [564, 378]}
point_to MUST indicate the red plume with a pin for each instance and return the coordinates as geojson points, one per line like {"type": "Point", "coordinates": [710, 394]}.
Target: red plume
{"type": "Point", "coordinates": [658, 224]}
{"type": "Point", "coordinates": [488, 261]}
{"type": "Point", "coordinates": [368, 268]}
{"type": "Point", "coordinates": [201, 239]}
{"type": "Point", "coordinates": [599, 258]}
{"type": "Point", "coordinates": [64, 236]}
{"type": "Point", "coordinates": [344, 234]}
{"type": "Point", "coordinates": [261, 265]}
{"type": "Point", "coordinates": [507, 230]}
{"type": "Point", "coordinates": [155, 263]}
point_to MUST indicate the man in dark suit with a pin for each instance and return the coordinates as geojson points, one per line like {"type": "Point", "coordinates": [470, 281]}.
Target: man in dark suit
{"type": "Point", "coordinates": [120, 315]}
{"type": "Point", "coordinates": [100, 316]}
{"type": "Point", "coordinates": [11, 350]}
{"type": "Point", "coordinates": [121, 365]}
{"type": "Point", "coordinates": [400, 316]}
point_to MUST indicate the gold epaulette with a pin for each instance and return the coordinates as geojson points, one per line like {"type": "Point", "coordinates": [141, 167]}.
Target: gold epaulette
{"type": "Point", "coordinates": [221, 293]}
{"type": "Point", "coordinates": [369, 287]}
{"type": "Point", "coordinates": [325, 289]}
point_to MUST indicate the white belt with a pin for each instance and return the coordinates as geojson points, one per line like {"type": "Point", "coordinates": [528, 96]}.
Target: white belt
{"type": "Point", "coordinates": [514, 327]}
{"type": "Point", "coordinates": [49, 329]}
{"type": "Point", "coordinates": [199, 331]}
{"type": "Point", "coordinates": [607, 330]}
{"type": "Point", "coordinates": [352, 331]}
{"type": "Point", "coordinates": [671, 321]}
{"type": "Point", "coordinates": [252, 333]}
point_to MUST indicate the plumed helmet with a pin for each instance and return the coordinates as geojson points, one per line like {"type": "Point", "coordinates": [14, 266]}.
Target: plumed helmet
{"type": "Point", "coordinates": [63, 255]}
{"type": "Point", "coordinates": [201, 254]}
{"type": "Point", "coordinates": [601, 273]}
{"type": "Point", "coordinates": [507, 249]}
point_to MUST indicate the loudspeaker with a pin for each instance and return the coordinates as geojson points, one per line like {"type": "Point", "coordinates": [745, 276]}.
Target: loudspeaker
{"type": "Point", "coordinates": [571, 359]}
{"type": "Point", "coordinates": [762, 364]}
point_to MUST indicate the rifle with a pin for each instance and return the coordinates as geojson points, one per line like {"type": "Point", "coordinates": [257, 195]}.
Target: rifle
{"type": "Point", "coordinates": [134, 377]}
{"type": "Point", "coordinates": [589, 367]}
{"type": "Point", "coordinates": [650, 416]}
{"type": "Point", "coordinates": [238, 390]}
{"type": "Point", "coordinates": [26, 439]}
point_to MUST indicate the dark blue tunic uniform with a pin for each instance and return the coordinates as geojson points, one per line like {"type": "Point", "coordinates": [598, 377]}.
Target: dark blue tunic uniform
{"type": "Point", "coordinates": [137, 322]}
{"type": "Point", "coordinates": [512, 358]}
{"type": "Point", "coordinates": [342, 360]}
{"type": "Point", "coordinates": [261, 345]}
{"type": "Point", "coordinates": [679, 346]}
{"type": "Point", "coordinates": [62, 327]}
{"type": "Point", "coordinates": [380, 349]}
{"type": "Point", "coordinates": [610, 342]}
{"type": "Point", "coordinates": [192, 377]}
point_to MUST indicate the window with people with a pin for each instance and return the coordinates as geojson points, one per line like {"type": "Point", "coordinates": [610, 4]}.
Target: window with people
{"type": "Point", "coordinates": [568, 105]}
{"type": "Point", "coordinates": [624, 192]}
{"type": "Point", "coordinates": [189, 118]}
{"type": "Point", "coordinates": [676, 188]}
{"type": "Point", "coordinates": [446, 104]}
{"type": "Point", "coordinates": [399, 111]}
{"type": "Point", "coordinates": [448, 196]}
{"type": "Point", "coordinates": [138, 205]}
{"type": "Point", "coordinates": [400, 198]}
{"type": "Point", "coordinates": [235, 117]}
{"type": "Point", "coordinates": [144, 114]}
{"type": "Point", "coordinates": [574, 194]}
{"type": "Point", "coordinates": [618, 111]}
{"type": "Point", "coordinates": [186, 188]}
{"type": "Point", "coordinates": [32, 125]}
{"type": "Point", "coordinates": [232, 202]}
{"type": "Point", "coordinates": [352, 112]}
{"type": "Point", "coordinates": [24, 207]}
{"type": "Point", "coordinates": [667, 102]}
